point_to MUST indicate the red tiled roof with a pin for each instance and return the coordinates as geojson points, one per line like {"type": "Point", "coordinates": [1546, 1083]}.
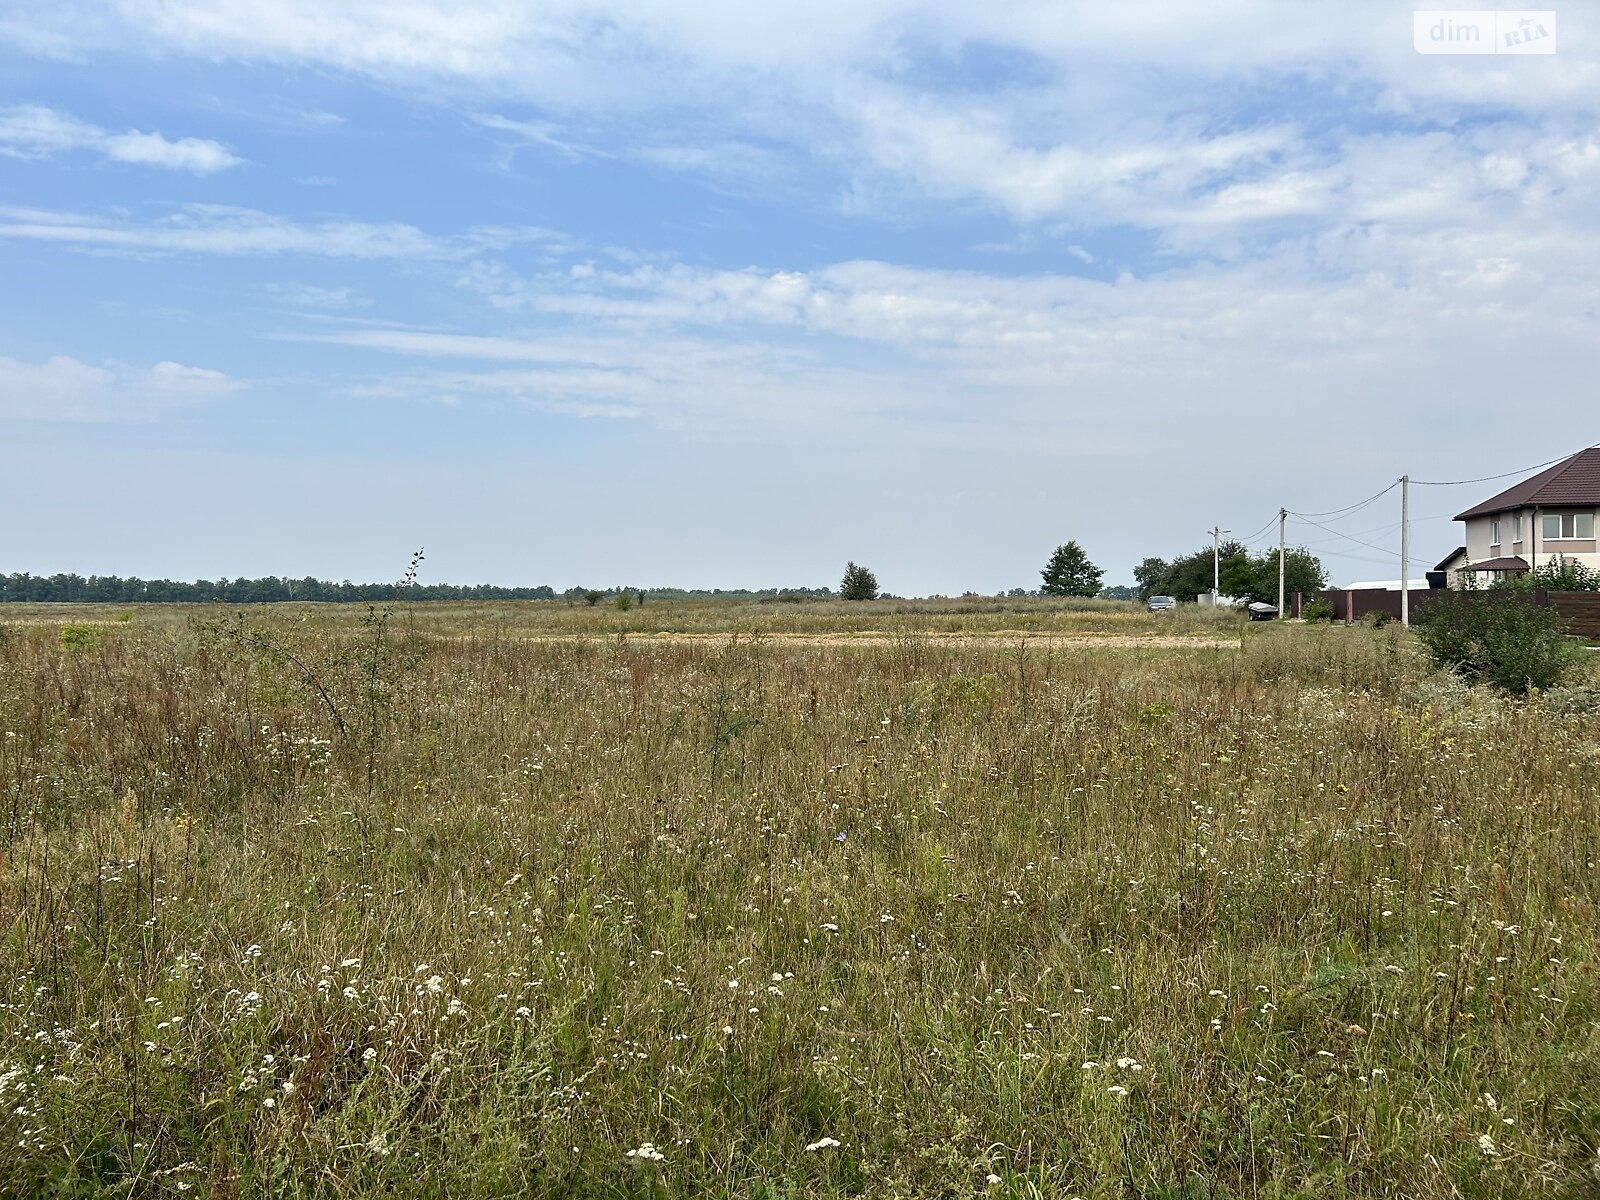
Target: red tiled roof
{"type": "Point", "coordinates": [1572, 481]}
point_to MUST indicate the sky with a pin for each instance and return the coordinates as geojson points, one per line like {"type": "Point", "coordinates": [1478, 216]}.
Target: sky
{"type": "Point", "coordinates": [710, 294]}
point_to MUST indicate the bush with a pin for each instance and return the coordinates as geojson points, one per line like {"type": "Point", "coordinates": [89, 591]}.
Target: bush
{"type": "Point", "coordinates": [1317, 610]}
{"type": "Point", "coordinates": [1376, 619]}
{"type": "Point", "coordinates": [75, 639]}
{"type": "Point", "coordinates": [1497, 636]}
{"type": "Point", "coordinates": [1561, 575]}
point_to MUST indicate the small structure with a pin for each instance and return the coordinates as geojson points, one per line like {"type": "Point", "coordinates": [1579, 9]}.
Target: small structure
{"type": "Point", "coordinates": [1447, 570]}
{"type": "Point", "coordinates": [1548, 515]}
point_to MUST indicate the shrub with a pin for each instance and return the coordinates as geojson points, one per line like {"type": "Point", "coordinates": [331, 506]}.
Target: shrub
{"type": "Point", "coordinates": [1376, 619]}
{"type": "Point", "coordinates": [1318, 610]}
{"type": "Point", "coordinates": [75, 639]}
{"type": "Point", "coordinates": [624, 601]}
{"type": "Point", "coordinates": [1563, 575]}
{"type": "Point", "coordinates": [1497, 636]}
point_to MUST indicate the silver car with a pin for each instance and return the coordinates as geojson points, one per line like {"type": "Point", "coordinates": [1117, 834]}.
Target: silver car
{"type": "Point", "coordinates": [1162, 604]}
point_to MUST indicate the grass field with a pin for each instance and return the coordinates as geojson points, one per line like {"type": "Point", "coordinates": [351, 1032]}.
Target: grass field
{"type": "Point", "coordinates": [533, 900]}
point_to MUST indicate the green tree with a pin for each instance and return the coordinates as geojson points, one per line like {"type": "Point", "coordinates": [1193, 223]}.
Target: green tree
{"type": "Point", "coordinates": [1148, 576]}
{"type": "Point", "coordinates": [858, 584]}
{"type": "Point", "coordinates": [1256, 578]}
{"type": "Point", "coordinates": [1070, 573]}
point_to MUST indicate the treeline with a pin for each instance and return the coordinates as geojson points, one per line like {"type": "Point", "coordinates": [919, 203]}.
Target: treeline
{"type": "Point", "coordinates": [113, 589]}
{"type": "Point", "coordinates": [272, 589]}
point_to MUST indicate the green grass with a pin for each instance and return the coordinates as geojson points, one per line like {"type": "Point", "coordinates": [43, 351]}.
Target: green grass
{"type": "Point", "coordinates": [320, 907]}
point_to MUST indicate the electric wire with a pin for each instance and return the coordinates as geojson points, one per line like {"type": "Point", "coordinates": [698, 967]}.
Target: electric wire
{"type": "Point", "coordinates": [1492, 478]}
{"type": "Point", "coordinates": [1349, 508]}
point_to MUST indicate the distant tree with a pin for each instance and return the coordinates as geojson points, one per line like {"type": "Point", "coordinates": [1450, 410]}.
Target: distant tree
{"type": "Point", "coordinates": [1070, 573]}
{"type": "Point", "coordinates": [858, 584]}
{"type": "Point", "coordinates": [1185, 577]}
{"type": "Point", "coordinates": [591, 597]}
{"type": "Point", "coordinates": [1119, 592]}
{"type": "Point", "coordinates": [1148, 575]}
{"type": "Point", "coordinates": [1256, 577]}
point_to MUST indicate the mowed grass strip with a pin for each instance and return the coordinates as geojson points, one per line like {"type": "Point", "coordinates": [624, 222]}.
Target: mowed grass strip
{"type": "Point", "coordinates": [332, 907]}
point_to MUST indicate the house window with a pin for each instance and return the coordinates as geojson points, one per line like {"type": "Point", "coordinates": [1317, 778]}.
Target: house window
{"type": "Point", "coordinates": [1554, 526]}
{"type": "Point", "coordinates": [1494, 531]}
{"type": "Point", "coordinates": [1516, 528]}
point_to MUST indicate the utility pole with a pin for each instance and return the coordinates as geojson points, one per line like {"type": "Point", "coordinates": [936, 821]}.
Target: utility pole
{"type": "Point", "coordinates": [1283, 517]}
{"type": "Point", "coordinates": [1216, 561]}
{"type": "Point", "coordinates": [1405, 551]}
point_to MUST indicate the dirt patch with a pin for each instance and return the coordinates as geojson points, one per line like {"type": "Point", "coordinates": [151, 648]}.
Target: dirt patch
{"type": "Point", "coordinates": [1084, 641]}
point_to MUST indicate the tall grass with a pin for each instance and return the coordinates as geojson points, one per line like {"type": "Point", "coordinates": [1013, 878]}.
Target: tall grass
{"type": "Point", "coordinates": [917, 919]}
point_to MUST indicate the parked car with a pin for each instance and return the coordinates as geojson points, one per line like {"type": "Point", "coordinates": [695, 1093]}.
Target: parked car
{"type": "Point", "coordinates": [1262, 612]}
{"type": "Point", "coordinates": [1162, 604]}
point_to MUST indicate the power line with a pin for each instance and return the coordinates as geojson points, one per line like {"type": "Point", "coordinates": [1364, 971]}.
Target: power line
{"type": "Point", "coordinates": [1250, 537]}
{"type": "Point", "coordinates": [1348, 538]}
{"type": "Point", "coordinates": [1349, 508]}
{"type": "Point", "coordinates": [1492, 478]}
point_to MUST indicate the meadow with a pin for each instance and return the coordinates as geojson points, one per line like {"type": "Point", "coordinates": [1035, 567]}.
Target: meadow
{"type": "Point", "coordinates": [988, 898]}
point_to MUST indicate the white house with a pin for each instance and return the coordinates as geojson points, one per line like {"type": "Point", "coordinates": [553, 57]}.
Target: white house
{"type": "Point", "coordinates": [1550, 515]}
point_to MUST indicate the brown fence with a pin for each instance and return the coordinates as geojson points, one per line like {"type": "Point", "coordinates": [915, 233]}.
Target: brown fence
{"type": "Point", "coordinates": [1579, 610]}
{"type": "Point", "coordinates": [1351, 604]}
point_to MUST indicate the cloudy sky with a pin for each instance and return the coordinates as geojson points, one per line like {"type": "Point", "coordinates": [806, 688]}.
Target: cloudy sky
{"type": "Point", "coordinates": [708, 293]}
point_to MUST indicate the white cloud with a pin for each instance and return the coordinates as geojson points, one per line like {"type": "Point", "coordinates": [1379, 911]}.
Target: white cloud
{"type": "Point", "coordinates": [1089, 114]}
{"type": "Point", "coordinates": [307, 295]}
{"type": "Point", "coordinates": [226, 230]}
{"type": "Point", "coordinates": [1421, 324]}
{"type": "Point", "coordinates": [65, 389]}
{"type": "Point", "coordinates": [31, 130]}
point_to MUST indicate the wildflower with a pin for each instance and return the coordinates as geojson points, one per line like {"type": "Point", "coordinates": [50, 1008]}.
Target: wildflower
{"type": "Point", "coordinates": [991, 1179]}
{"type": "Point", "coordinates": [1130, 1064]}
{"type": "Point", "coordinates": [368, 1055]}
{"type": "Point", "coordinates": [378, 1143]}
{"type": "Point", "coordinates": [434, 984]}
{"type": "Point", "coordinates": [1116, 1089]}
{"type": "Point", "coordinates": [1487, 1146]}
{"type": "Point", "coordinates": [646, 1153]}
{"type": "Point", "coordinates": [828, 927]}
{"type": "Point", "coordinates": [824, 1144]}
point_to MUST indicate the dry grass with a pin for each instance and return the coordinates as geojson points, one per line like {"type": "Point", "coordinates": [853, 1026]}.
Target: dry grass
{"type": "Point", "coordinates": [314, 907]}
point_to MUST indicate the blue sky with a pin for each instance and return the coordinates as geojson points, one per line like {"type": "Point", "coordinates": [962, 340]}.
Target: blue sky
{"type": "Point", "coordinates": [700, 294]}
